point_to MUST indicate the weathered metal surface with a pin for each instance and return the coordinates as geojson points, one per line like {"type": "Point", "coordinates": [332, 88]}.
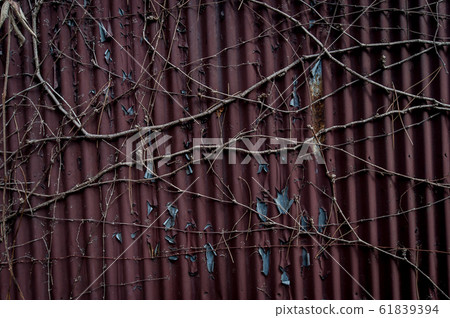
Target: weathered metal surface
{"type": "Point", "coordinates": [366, 80]}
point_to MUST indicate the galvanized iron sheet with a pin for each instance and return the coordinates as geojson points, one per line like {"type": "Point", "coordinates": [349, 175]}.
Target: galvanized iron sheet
{"type": "Point", "coordinates": [363, 85]}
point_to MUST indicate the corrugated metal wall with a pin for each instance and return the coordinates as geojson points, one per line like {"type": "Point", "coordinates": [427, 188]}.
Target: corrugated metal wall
{"type": "Point", "coordinates": [368, 80]}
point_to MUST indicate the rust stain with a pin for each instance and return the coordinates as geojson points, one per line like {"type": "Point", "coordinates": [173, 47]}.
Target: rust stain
{"type": "Point", "coordinates": [317, 105]}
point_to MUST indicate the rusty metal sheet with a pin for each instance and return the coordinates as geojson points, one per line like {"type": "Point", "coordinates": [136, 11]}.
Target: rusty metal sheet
{"type": "Point", "coordinates": [225, 150]}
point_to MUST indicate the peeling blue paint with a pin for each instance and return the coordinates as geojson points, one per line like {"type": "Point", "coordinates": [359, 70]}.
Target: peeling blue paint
{"type": "Point", "coordinates": [265, 259]}
{"type": "Point", "coordinates": [148, 173]}
{"type": "Point", "coordinates": [192, 258]}
{"type": "Point", "coordinates": [303, 223]}
{"type": "Point", "coordinates": [284, 277]}
{"type": "Point", "coordinates": [210, 254]}
{"type": "Point", "coordinates": [282, 201]}
{"type": "Point", "coordinates": [322, 219]}
{"type": "Point", "coordinates": [315, 81]}
{"type": "Point", "coordinates": [118, 237]}
{"type": "Point", "coordinates": [104, 35]}
{"type": "Point", "coordinates": [129, 111]}
{"type": "Point", "coordinates": [261, 208]}
{"type": "Point", "coordinates": [173, 211]}
{"type": "Point", "coordinates": [170, 239]}
{"type": "Point", "coordinates": [149, 208]}
{"type": "Point", "coordinates": [263, 167]}
{"type": "Point", "coordinates": [108, 58]}
{"type": "Point", "coordinates": [305, 258]}
{"type": "Point", "coordinates": [190, 224]}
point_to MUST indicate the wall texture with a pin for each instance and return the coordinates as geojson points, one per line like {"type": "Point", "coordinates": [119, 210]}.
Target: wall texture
{"type": "Point", "coordinates": [365, 82]}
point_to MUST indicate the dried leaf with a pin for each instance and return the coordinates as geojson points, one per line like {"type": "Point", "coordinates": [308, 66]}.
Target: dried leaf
{"type": "Point", "coordinates": [265, 259]}
{"type": "Point", "coordinates": [282, 201]}
{"type": "Point", "coordinates": [173, 258]}
{"type": "Point", "coordinates": [17, 32]}
{"type": "Point", "coordinates": [4, 13]}
{"type": "Point", "coordinates": [21, 16]}
{"type": "Point", "coordinates": [261, 208]}
{"type": "Point", "coordinates": [210, 254]}
{"type": "Point", "coordinates": [133, 235]}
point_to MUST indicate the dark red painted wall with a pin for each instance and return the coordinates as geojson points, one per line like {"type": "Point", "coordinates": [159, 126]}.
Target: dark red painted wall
{"type": "Point", "coordinates": [371, 85]}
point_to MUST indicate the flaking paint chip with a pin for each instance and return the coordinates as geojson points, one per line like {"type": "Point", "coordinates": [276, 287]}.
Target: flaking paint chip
{"type": "Point", "coordinates": [261, 208]}
{"type": "Point", "coordinates": [149, 208]}
{"type": "Point", "coordinates": [284, 277]}
{"type": "Point", "coordinates": [265, 259]}
{"type": "Point", "coordinates": [263, 167]}
{"type": "Point", "coordinates": [322, 219]}
{"type": "Point", "coordinates": [282, 201]}
{"type": "Point", "coordinates": [306, 261]}
{"type": "Point", "coordinates": [210, 254]}
{"type": "Point", "coordinates": [118, 236]}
